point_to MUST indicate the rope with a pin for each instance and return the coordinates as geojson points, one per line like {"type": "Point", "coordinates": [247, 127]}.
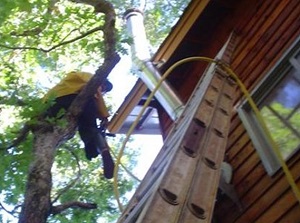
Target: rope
{"type": "Point", "coordinates": [251, 103]}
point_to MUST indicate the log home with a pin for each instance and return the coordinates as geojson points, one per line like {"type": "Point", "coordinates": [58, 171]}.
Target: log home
{"type": "Point", "coordinates": [260, 42]}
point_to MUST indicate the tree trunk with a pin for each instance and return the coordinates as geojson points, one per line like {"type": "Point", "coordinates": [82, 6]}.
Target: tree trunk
{"type": "Point", "coordinates": [37, 205]}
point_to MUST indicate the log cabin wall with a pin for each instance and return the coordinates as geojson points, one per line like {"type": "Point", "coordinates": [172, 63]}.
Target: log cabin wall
{"type": "Point", "coordinates": [265, 30]}
{"type": "Point", "coordinates": [205, 37]}
{"type": "Point", "coordinates": [264, 37]}
{"type": "Point", "coordinates": [197, 41]}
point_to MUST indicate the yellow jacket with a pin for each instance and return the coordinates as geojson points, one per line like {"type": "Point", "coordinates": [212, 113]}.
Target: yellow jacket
{"type": "Point", "coordinates": [73, 83]}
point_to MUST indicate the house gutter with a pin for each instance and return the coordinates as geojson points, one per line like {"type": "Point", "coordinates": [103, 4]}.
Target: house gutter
{"type": "Point", "coordinates": [149, 73]}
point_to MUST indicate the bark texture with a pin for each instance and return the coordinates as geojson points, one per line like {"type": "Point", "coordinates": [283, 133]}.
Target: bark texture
{"type": "Point", "coordinates": [36, 207]}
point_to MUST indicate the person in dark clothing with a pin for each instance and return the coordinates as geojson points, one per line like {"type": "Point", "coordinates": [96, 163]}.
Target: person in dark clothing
{"type": "Point", "coordinates": [94, 143]}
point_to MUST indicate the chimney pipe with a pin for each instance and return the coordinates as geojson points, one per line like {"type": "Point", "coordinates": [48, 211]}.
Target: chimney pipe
{"type": "Point", "coordinates": [149, 74]}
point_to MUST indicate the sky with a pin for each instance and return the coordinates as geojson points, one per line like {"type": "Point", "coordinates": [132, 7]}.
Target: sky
{"type": "Point", "coordinates": [123, 80]}
{"type": "Point", "coordinates": [149, 145]}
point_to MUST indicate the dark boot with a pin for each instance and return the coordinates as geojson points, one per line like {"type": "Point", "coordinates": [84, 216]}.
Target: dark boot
{"type": "Point", "coordinates": [96, 144]}
{"type": "Point", "coordinates": [90, 150]}
{"type": "Point", "coordinates": [108, 163]}
{"type": "Point", "coordinates": [88, 136]}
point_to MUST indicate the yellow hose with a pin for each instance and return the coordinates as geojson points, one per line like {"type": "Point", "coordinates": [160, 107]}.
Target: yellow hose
{"type": "Point", "coordinates": [246, 94]}
{"type": "Point", "coordinates": [267, 133]}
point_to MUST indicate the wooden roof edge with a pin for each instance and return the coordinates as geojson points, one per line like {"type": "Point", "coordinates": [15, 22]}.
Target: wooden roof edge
{"type": "Point", "coordinates": [192, 12]}
{"type": "Point", "coordinates": [165, 51]}
{"type": "Point", "coordinates": [131, 100]}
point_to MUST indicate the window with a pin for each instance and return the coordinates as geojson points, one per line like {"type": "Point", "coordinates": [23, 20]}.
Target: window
{"type": "Point", "coordinates": [278, 99]}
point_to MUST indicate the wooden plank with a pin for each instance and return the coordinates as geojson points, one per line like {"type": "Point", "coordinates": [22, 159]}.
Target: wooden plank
{"type": "Point", "coordinates": [237, 147]}
{"type": "Point", "coordinates": [244, 170]}
{"type": "Point", "coordinates": [263, 35]}
{"type": "Point", "coordinates": [292, 216]}
{"type": "Point", "coordinates": [249, 28]}
{"type": "Point", "coordinates": [255, 71]}
{"type": "Point", "coordinates": [247, 23]}
{"type": "Point", "coordinates": [235, 121]}
{"type": "Point", "coordinates": [166, 123]}
{"type": "Point", "coordinates": [242, 156]}
{"type": "Point", "coordinates": [275, 51]}
{"type": "Point", "coordinates": [279, 207]}
{"type": "Point", "coordinates": [271, 48]}
{"type": "Point", "coordinates": [262, 23]}
{"type": "Point", "coordinates": [254, 176]}
{"type": "Point", "coordinates": [284, 39]}
{"type": "Point", "coordinates": [247, 15]}
{"type": "Point", "coordinates": [180, 30]}
{"type": "Point", "coordinates": [260, 54]}
{"type": "Point", "coordinates": [264, 194]}
{"type": "Point", "coordinates": [235, 135]}
{"type": "Point", "coordinates": [227, 209]}
{"type": "Point", "coordinates": [252, 81]}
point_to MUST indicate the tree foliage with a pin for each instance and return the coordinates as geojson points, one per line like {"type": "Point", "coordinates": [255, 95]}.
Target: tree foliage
{"type": "Point", "coordinates": [285, 138]}
{"type": "Point", "coordinates": [41, 40]}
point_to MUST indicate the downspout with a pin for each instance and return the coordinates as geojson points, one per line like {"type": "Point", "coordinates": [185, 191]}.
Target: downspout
{"type": "Point", "coordinates": [149, 73]}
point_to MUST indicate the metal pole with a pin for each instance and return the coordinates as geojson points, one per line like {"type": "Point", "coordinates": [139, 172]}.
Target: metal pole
{"type": "Point", "coordinates": [149, 74]}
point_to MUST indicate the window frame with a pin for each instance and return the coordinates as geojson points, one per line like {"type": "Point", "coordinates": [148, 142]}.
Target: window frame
{"type": "Point", "coordinates": [248, 118]}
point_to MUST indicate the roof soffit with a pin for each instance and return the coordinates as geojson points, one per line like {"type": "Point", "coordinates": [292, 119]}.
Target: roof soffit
{"type": "Point", "coordinates": [186, 21]}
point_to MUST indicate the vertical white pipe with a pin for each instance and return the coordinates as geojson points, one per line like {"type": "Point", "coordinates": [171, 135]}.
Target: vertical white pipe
{"type": "Point", "coordinates": [149, 74]}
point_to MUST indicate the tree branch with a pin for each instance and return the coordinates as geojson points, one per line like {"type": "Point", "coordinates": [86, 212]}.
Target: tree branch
{"type": "Point", "coordinates": [20, 138]}
{"type": "Point", "coordinates": [31, 32]}
{"type": "Point", "coordinates": [72, 204]}
{"type": "Point", "coordinates": [39, 184]}
{"type": "Point", "coordinates": [73, 182]}
{"type": "Point", "coordinates": [12, 213]}
{"type": "Point", "coordinates": [38, 30]}
{"type": "Point", "coordinates": [109, 27]}
{"type": "Point", "coordinates": [14, 102]}
{"type": "Point", "coordinates": [125, 168]}
{"type": "Point", "coordinates": [111, 58]}
{"type": "Point", "coordinates": [55, 46]}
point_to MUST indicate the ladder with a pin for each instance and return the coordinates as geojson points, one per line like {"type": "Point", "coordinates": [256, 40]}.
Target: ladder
{"type": "Point", "coordinates": [182, 183]}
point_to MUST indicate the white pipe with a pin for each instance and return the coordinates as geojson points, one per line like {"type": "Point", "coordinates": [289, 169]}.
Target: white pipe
{"type": "Point", "coordinates": [149, 74]}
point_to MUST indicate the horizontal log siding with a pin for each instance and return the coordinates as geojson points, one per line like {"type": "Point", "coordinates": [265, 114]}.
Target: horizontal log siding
{"type": "Point", "coordinates": [291, 215]}
{"type": "Point", "coordinates": [264, 37]}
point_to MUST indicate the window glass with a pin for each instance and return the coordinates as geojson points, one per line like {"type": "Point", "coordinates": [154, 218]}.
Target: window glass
{"type": "Point", "coordinates": [281, 113]}
{"type": "Point", "coordinates": [278, 98]}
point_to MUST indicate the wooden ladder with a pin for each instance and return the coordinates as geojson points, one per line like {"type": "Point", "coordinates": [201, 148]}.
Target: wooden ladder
{"type": "Point", "coordinates": [182, 183]}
